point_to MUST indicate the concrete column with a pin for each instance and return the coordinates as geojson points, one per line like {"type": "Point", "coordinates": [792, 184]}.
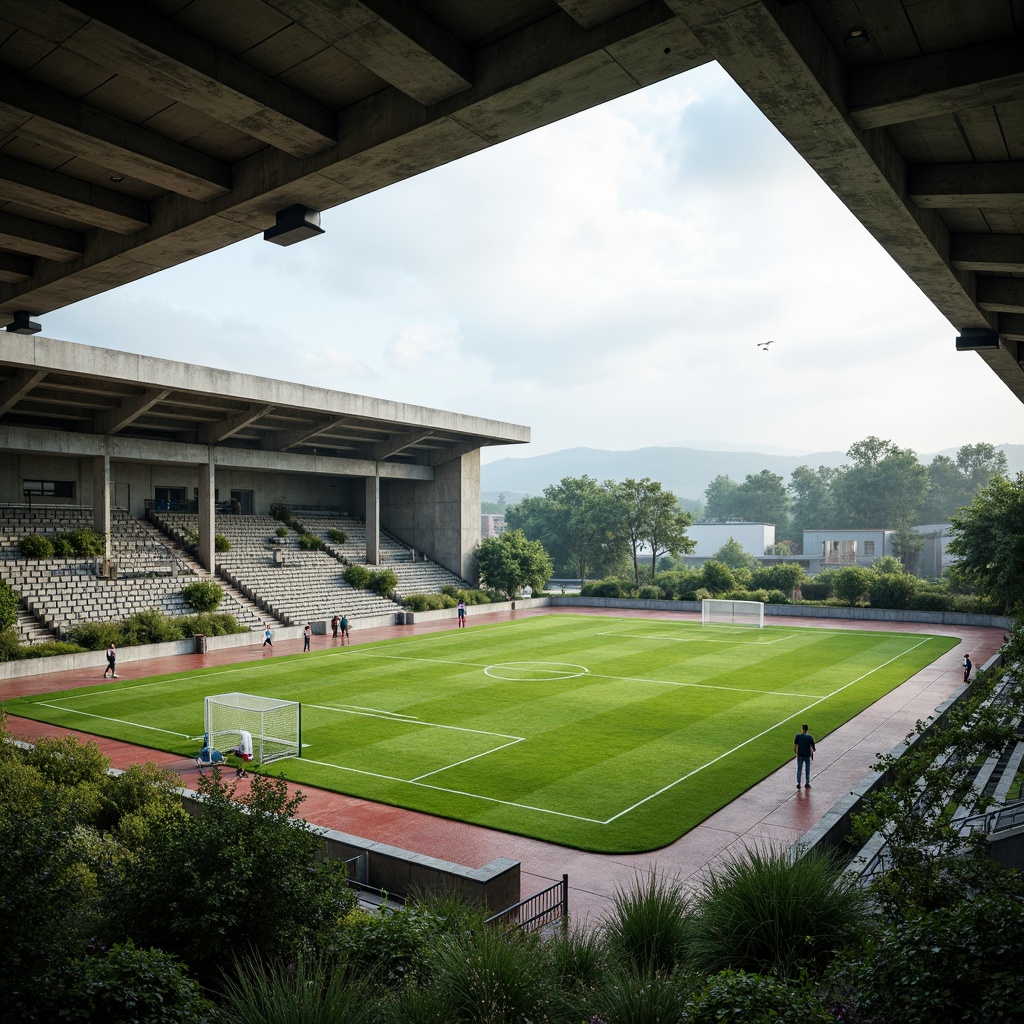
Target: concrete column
{"type": "Point", "coordinates": [101, 502]}
{"type": "Point", "coordinates": [207, 522]}
{"type": "Point", "coordinates": [373, 517]}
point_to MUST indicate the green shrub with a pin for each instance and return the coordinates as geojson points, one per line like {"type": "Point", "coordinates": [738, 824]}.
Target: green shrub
{"type": "Point", "coordinates": [9, 598]}
{"type": "Point", "coordinates": [221, 543]}
{"type": "Point", "coordinates": [716, 577]}
{"type": "Point", "coordinates": [11, 650]}
{"type": "Point", "coordinates": [777, 597]}
{"type": "Point", "coordinates": [96, 636]}
{"type": "Point", "coordinates": [35, 545]}
{"type": "Point", "coordinates": [476, 597]}
{"type": "Point", "coordinates": [604, 588]}
{"type": "Point", "coordinates": [338, 536]}
{"type": "Point", "coordinates": [281, 531]}
{"type": "Point", "coordinates": [770, 913]}
{"type": "Point", "coordinates": [649, 928]}
{"type": "Point", "coordinates": [282, 512]}
{"type": "Point", "coordinates": [393, 947]}
{"type": "Point", "coordinates": [931, 601]}
{"type": "Point", "coordinates": [203, 595]}
{"type": "Point", "coordinates": [813, 590]}
{"type": "Point", "coordinates": [735, 997]}
{"type": "Point", "coordinates": [357, 576]}
{"type": "Point", "coordinates": [640, 997]}
{"type": "Point", "coordinates": [892, 590]}
{"type": "Point", "coordinates": [311, 542]}
{"type": "Point", "coordinates": [649, 592]}
{"type": "Point", "coordinates": [86, 543]}
{"type": "Point", "coordinates": [211, 624]}
{"type": "Point", "coordinates": [62, 546]}
{"type": "Point", "coordinates": [422, 602]}
{"type": "Point", "coordinates": [150, 627]}
{"type": "Point", "coordinates": [383, 582]}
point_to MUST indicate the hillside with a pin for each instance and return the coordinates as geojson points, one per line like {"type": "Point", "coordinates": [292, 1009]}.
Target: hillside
{"type": "Point", "coordinates": [684, 471]}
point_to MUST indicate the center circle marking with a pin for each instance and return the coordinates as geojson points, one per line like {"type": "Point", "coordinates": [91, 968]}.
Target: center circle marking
{"type": "Point", "coordinates": [535, 671]}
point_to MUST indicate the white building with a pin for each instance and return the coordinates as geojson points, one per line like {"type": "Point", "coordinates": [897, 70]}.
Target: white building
{"type": "Point", "coordinates": [755, 538]}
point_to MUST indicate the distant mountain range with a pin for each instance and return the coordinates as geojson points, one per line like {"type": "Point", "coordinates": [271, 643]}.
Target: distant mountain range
{"type": "Point", "coordinates": [684, 471]}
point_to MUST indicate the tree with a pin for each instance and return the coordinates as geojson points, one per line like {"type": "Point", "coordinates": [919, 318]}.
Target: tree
{"type": "Point", "coordinates": [988, 537]}
{"type": "Point", "coordinates": [884, 487]}
{"type": "Point", "coordinates": [574, 521]}
{"type": "Point", "coordinates": [812, 507]}
{"type": "Point", "coordinates": [720, 498]}
{"type": "Point", "coordinates": [716, 578]}
{"type": "Point", "coordinates": [509, 562]}
{"type": "Point", "coordinates": [732, 554]}
{"type": "Point", "coordinates": [851, 583]}
{"type": "Point", "coordinates": [953, 484]}
{"type": "Point", "coordinates": [647, 515]}
{"type": "Point", "coordinates": [762, 498]}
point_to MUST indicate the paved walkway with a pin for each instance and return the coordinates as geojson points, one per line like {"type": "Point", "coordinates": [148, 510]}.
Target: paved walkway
{"type": "Point", "coordinates": [772, 811]}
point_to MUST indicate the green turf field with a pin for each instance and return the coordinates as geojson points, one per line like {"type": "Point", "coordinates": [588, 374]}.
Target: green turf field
{"type": "Point", "coordinates": [606, 734]}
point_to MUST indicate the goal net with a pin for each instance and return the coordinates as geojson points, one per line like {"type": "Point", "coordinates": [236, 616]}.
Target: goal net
{"type": "Point", "coordinates": [733, 613]}
{"type": "Point", "coordinates": [275, 725]}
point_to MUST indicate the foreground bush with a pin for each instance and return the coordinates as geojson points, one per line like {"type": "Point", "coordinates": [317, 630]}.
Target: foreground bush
{"type": "Point", "coordinates": [203, 595]}
{"type": "Point", "coordinates": [12, 650]}
{"type": "Point", "coordinates": [649, 929]}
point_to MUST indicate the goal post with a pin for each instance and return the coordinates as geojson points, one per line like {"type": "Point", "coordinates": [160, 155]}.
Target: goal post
{"type": "Point", "coordinates": [275, 725]}
{"type": "Point", "coordinates": [714, 611]}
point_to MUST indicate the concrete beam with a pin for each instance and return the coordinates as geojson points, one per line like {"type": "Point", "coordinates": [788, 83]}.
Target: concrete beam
{"type": "Point", "coordinates": [13, 390]}
{"type": "Point", "coordinates": [132, 41]}
{"type": "Point", "coordinates": [33, 238]}
{"type": "Point", "coordinates": [441, 456]}
{"type": "Point", "coordinates": [130, 409]}
{"type": "Point", "coordinates": [398, 42]}
{"type": "Point", "coordinates": [591, 13]}
{"type": "Point", "coordinates": [1011, 326]}
{"type": "Point", "coordinates": [33, 112]}
{"type": "Point", "coordinates": [987, 253]}
{"type": "Point", "coordinates": [214, 433]}
{"type": "Point", "coordinates": [69, 444]}
{"type": "Point", "coordinates": [783, 60]}
{"type": "Point", "coordinates": [982, 75]}
{"type": "Point", "coordinates": [14, 268]}
{"type": "Point", "coordinates": [293, 438]}
{"type": "Point", "coordinates": [399, 442]}
{"type": "Point", "coordinates": [1001, 294]}
{"type": "Point", "coordinates": [990, 186]}
{"type": "Point", "coordinates": [77, 200]}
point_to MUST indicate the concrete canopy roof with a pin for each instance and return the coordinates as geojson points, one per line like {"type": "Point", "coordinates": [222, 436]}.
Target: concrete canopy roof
{"type": "Point", "coordinates": [81, 389]}
{"type": "Point", "coordinates": [135, 136]}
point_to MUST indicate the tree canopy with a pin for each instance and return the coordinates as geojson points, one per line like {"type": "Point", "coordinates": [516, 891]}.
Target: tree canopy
{"type": "Point", "coordinates": [510, 561]}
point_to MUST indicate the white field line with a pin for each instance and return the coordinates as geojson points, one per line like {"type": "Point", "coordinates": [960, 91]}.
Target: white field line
{"type": "Point", "coordinates": [457, 792]}
{"type": "Point", "coordinates": [388, 717]}
{"type": "Point", "coordinates": [381, 711]}
{"type": "Point", "coordinates": [698, 639]}
{"type": "Point", "coordinates": [763, 732]}
{"type": "Point", "coordinates": [702, 686]}
{"type": "Point", "coordinates": [466, 760]}
{"type": "Point", "coordinates": [119, 721]}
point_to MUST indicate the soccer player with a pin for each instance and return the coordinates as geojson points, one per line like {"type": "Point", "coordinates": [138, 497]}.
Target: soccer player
{"type": "Point", "coordinates": [803, 746]}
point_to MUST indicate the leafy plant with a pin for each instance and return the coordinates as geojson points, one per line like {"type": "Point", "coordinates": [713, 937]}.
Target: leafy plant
{"type": "Point", "coordinates": [338, 536]}
{"type": "Point", "coordinates": [357, 576]}
{"type": "Point", "coordinates": [383, 582]}
{"type": "Point", "coordinates": [736, 997]}
{"type": "Point", "coordinates": [9, 598]}
{"type": "Point", "coordinates": [311, 542]}
{"type": "Point", "coordinates": [35, 545]}
{"type": "Point", "coordinates": [281, 531]}
{"type": "Point", "coordinates": [203, 595]}
{"type": "Point", "coordinates": [221, 543]}
{"type": "Point", "coordinates": [282, 512]}
{"type": "Point", "coordinates": [649, 928]}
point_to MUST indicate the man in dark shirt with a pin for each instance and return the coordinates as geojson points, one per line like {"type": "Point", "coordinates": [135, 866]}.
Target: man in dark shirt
{"type": "Point", "coordinates": [803, 745]}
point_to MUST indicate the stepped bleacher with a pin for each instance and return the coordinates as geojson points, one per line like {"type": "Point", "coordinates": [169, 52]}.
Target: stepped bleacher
{"type": "Point", "coordinates": [296, 586]}
{"type": "Point", "coordinates": [59, 593]}
{"type": "Point", "coordinates": [415, 575]}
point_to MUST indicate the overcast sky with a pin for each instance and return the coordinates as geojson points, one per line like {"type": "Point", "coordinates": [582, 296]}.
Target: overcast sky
{"type": "Point", "coordinates": [604, 280]}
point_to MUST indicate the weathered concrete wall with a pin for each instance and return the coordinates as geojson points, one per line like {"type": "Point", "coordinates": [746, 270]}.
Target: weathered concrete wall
{"type": "Point", "coordinates": [440, 517]}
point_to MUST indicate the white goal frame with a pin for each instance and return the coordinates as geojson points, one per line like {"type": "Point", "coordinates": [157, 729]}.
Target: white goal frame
{"type": "Point", "coordinates": [275, 725]}
{"type": "Point", "coordinates": [716, 612]}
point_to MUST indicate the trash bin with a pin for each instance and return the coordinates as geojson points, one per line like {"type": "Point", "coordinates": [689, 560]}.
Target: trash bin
{"type": "Point", "coordinates": [201, 643]}
{"type": "Point", "coordinates": [112, 570]}
{"type": "Point", "coordinates": [399, 618]}
{"type": "Point", "coordinates": [278, 556]}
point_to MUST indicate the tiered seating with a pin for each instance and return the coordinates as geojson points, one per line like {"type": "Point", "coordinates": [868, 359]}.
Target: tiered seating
{"type": "Point", "coordinates": [63, 592]}
{"type": "Point", "coordinates": [303, 586]}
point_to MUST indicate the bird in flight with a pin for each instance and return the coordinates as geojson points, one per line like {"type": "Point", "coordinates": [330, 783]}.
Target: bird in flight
{"type": "Point", "coordinates": [763, 345]}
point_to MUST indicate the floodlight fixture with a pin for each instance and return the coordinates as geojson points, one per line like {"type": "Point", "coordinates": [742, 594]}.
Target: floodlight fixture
{"type": "Point", "coordinates": [294, 224]}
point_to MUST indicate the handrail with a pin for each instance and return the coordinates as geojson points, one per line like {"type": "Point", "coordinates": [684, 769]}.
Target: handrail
{"type": "Point", "coordinates": [549, 906]}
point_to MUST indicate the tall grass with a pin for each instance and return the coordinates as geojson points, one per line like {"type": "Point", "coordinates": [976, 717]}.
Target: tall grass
{"type": "Point", "coordinates": [770, 913]}
{"type": "Point", "coordinates": [649, 929]}
{"type": "Point", "coordinates": [306, 992]}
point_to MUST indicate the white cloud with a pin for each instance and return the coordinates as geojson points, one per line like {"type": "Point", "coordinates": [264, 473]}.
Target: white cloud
{"type": "Point", "coordinates": [604, 280]}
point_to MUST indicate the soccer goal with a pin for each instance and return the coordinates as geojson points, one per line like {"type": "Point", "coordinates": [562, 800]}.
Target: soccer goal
{"type": "Point", "coordinates": [275, 725]}
{"type": "Point", "coordinates": [734, 613]}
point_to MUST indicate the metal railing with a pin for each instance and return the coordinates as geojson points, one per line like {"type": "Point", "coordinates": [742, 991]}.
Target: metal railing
{"type": "Point", "coordinates": [547, 907]}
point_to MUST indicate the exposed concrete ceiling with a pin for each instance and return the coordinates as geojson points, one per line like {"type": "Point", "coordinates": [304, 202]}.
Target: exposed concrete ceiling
{"type": "Point", "coordinates": [66, 389]}
{"type": "Point", "coordinates": [135, 136]}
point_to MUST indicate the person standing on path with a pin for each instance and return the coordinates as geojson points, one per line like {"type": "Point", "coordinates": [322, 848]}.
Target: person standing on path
{"type": "Point", "coordinates": [462, 614]}
{"type": "Point", "coordinates": [344, 630]}
{"type": "Point", "coordinates": [307, 634]}
{"type": "Point", "coordinates": [111, 661]}
{"type": "Point", "coordinates": [803, 745]}
{"type": "Point", "coordinates": [334, 626]}
{"type": "Point", "coordinates": [967, 668]}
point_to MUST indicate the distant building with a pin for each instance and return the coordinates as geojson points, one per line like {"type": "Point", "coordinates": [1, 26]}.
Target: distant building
{"type": "Point", "coordinates": [491, 525]}
{"type": "Point", "coordinates": [935, 557]}
{"type": "Point", "coordinates": [829, 549]}
{"type": "Point", "coordinates": [709, 536]}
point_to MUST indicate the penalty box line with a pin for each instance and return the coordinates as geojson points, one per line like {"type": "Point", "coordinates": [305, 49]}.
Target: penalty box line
{"type": "Point", "coordinates": [698, 639]}
{"type": "Point", "coordinates": [456, 792]}
{"type": "Point", "coordinates": [116, 721]}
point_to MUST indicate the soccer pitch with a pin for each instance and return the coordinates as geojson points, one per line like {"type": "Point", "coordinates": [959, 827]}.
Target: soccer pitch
{"type": "Point", "coordinates": [605, 734]}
